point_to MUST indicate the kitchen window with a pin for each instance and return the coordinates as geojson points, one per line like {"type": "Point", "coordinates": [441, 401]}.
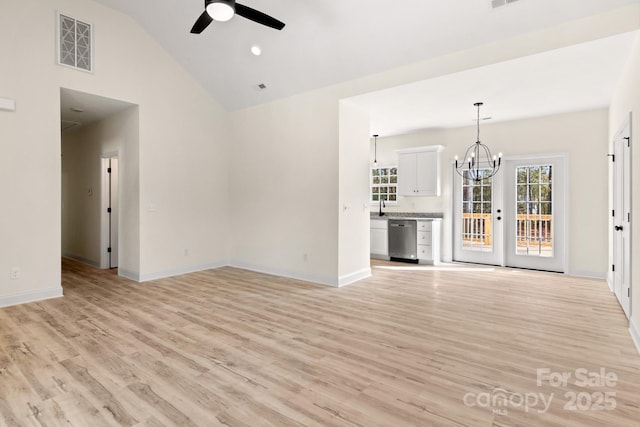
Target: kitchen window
{"type": "Point", "coordinates": [384, 184]}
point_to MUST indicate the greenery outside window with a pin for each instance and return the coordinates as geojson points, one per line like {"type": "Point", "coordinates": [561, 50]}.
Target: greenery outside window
{"type": "Point", "coordinates": [384, 184]}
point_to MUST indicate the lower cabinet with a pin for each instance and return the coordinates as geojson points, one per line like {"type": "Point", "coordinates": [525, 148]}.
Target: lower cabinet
{"type": "Point", "coordinates": [429, 242]}
{"type": "Point", "coordinates": [379, 239]}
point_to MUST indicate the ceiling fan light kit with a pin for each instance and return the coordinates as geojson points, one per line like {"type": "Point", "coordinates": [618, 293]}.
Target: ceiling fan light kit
{"type": "Point", "coordinates": [224, 10]}
{"type": "Point", "coordinates": [220, 10]}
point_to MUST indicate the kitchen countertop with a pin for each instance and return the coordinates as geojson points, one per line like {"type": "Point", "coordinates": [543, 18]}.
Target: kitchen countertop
{"type": "Point", "coordinates": [421, 216]}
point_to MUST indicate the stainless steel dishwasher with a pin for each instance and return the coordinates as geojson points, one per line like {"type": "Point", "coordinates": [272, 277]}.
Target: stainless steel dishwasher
{"type": "Point", "coordinates": [403, 240]}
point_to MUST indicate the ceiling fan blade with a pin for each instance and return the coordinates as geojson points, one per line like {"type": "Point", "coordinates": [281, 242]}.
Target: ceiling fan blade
{"type": "Point", "coordinates": [259, 17]}
{"type": "Point", "coordinates": [203, 22]}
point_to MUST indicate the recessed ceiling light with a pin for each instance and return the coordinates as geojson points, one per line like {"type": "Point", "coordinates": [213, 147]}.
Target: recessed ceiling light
{"type": "Point", "coordinates": [256, 50]}
{"type": "Point", "coordinates": [76, 110]}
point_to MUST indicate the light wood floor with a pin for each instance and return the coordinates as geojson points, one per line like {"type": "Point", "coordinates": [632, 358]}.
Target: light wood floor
{"type": "Point", "coordinates": [229, 347]}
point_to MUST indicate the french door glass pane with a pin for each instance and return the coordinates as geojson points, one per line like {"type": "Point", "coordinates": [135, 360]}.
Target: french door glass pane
{"type": "Point", "coordinates": [534, 207]}
{"type": "Point", "coordinates": [477, 217]}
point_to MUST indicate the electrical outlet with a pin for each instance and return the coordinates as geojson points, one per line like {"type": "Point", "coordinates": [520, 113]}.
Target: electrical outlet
{"type": "Point", "coordinates": [15, 273]}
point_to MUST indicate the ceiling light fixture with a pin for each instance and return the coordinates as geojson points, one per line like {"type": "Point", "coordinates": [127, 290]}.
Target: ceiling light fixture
{"type": "Point", "coordinates": [256, 50]}
{"type": "Point", "coordinates": [478, 164]}
{"type": "Point", "coordinates": [375, 150]}
{"type": "Point", "coordinates": [221, 10]}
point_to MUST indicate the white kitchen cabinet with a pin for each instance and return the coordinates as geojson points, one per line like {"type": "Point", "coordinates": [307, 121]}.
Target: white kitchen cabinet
{"type": "Point", "coordinates": [419, 171]}
{"type": "Point", "coordinates": [379, 239]}
{"type": "Point", "coordinates": [428, 241]}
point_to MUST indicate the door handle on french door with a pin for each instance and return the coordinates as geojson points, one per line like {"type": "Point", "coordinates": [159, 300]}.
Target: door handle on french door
{"type": "Point", "coordinates": [619, 228]}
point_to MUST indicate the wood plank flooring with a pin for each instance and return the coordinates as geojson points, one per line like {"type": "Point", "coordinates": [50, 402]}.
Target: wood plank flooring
{"type": "Point", "coordinates": [411, 346]}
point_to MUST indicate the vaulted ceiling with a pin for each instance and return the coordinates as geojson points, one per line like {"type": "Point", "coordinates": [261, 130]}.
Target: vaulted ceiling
{"type": "Point", "coordinates": [330, 41]}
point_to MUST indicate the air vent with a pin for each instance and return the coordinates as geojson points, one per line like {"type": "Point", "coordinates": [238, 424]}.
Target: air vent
{"type": "Point", "coordinates": [75, 43]}
{"type": "Point", "coordinates": [67, 124]}
{"type": "Point", "coordinates": [498, 3]}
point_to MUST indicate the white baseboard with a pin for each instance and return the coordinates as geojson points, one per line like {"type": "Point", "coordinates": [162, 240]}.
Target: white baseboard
{"type": "Point", "coordinates": [83, 260]}
{"type": "Point", "coordinates": [635, 333]}
{"type": "Point", "coordinates": [145, 277]}
{"type": "Point", "coordinates": [31, 296]}
{"type": "Point", "coordinates": [610, 281]}
{"type": "Point", "coordinates": [588, 274]}
{"type": "Point", "coordinates": [305, 277]}
{"type": "Point", "coordinates": [354, 277]}
{"type": "Point", "coordinates": [128, 274]}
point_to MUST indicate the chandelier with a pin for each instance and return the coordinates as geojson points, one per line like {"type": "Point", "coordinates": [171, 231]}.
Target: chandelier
{"type": "Point", "coordinates": [478, 163]}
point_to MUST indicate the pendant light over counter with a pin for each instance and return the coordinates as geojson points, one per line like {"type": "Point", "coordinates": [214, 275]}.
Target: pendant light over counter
{"type": "Point", "coordinates": [375, 150]}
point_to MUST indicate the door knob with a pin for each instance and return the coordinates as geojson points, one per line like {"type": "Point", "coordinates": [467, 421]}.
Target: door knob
{"type": "Point", "coordinates": [618, 228]}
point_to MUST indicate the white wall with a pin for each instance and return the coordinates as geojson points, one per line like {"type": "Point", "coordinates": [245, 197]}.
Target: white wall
{"type": "Point", "coordinates": [583, 135]}
{"type": "Point", "coordinates": [627, 99]}
{"type": "Point", "coordinates": [82, 151]}
{"type": "Point", "coordinates": [354, 235]}
{"type": "Point", "coordinates": [286, 159]}
{"type": "Point", "coordinates": [284, 187]}
{"type": "Point", "coordinates": [183, 149]}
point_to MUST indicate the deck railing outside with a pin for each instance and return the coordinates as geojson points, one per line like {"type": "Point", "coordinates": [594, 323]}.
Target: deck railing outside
{"type": "Point", "coordinates": [531, 230]}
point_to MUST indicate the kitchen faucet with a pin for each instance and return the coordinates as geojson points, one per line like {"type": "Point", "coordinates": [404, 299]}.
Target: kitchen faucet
{"type": "Point", "coordinates": [381, 206]}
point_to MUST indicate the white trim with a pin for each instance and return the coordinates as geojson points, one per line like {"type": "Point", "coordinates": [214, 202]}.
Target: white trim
{"type": "Point", "coordinates": [105, 179]}
{"type": "Point", "coordinates": [305, 277]}
{"type": "Point", "coordinates": [81, 259]}
{"type": "Point", "coordinates": [356, 276]}
{"type": "Point", "coordinates": [610, 281]}
{"type": "Point", "coordinates": [127, 274]}
{"type": "Point", "coordinates": [601, 275]}
{"type": "Point", "coordinates": [31, 296]}
{"type": "Point", "coordinates": [145, 277]}
{"type": "Point", "coordinates": [437, 148]}
{"type": "Point", "coordinates": [635, 333]}
{"type": "Point", "coordinates": [560, 154]}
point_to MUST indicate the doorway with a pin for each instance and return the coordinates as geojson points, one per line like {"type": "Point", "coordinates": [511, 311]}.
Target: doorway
{"type": "Point", "coordinates": [97, 171]}
{"type": "Point", "coordinates": [621, 213]}
{"type": "Point", "coordinates": [516, 218]}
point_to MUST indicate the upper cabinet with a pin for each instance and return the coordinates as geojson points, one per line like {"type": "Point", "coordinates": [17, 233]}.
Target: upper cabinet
{"type": "Point", "coordinates": [419, 171]}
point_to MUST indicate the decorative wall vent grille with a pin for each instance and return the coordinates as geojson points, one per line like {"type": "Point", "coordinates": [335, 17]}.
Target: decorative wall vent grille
{"type": "Point", "coordinates": [498, 3]}
{"type": "Point", "coordinates": [75, 43]}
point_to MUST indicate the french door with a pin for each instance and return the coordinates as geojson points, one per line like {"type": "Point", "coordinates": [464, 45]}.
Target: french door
{"type": "Point", "coordinates": [535, 231]}
{"type": "Point", "coordinates": [515, 218]}
{"type": "Point", "coordinates": [477, 225]}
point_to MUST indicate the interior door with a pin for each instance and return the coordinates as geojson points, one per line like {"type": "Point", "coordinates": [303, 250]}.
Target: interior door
{"type": "Point", "coordinates": [535, 210]}
{"type": "Point", "coordinates": [621, 268]}
{"type": "Point", "coordinates": [478, 219]}
{"type": "Point", "coordinates": [113, 213]}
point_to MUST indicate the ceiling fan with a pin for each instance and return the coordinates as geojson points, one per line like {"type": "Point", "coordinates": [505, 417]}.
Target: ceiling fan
{"type": "Point", "coordinates": [223, 10]}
